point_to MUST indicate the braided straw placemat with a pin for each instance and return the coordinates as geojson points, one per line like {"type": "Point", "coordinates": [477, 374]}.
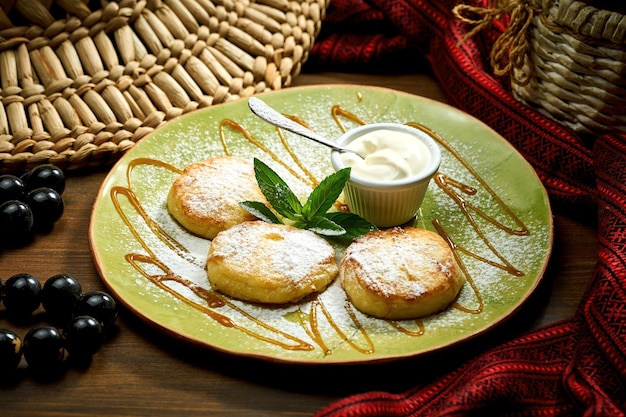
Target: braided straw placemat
{"type": "Point", "coordinates": [82, 82]}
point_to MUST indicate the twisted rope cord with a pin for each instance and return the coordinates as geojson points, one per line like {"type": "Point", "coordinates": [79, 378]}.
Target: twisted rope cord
{"type": "Point", "coordinates": [509, 51]}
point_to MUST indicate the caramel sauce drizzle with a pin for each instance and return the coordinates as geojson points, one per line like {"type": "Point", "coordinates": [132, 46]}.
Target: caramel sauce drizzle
{"type": "Point", "coordinates": [214, 301]}
{"type": "Point", "coordinates": [468, 276]}
{"type": "Point", "coordinates": [310, 321]}
{"type": "Point", "coordinates": [419, 332]}
{"type": "Point", "coordinates": [248, 136]}
{"type": "Point", "coordinates": [338, 112]}
{"type": "Point", "coordinates": [127, 191]}
{"type": "Point", "coordinates": [315, 334]}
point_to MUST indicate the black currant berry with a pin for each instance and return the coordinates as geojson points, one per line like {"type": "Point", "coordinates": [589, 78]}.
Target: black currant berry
{"type": "Point", "coordinates": [60, 296]}
{"type": "Point", "coordinates": [100, 305]}
{"type": "Point", "coordinates": [47, 207]}
{"type": "Point", "coordinates": [46, 175]}
{"type": "Point", "coordinates": [11, 188]}
{"type": "Point", "coordinates": [21, 294]}
{"type": "Point", "coordinates": [43, 347]}
{"type": "Point", "coordinates": [83, 336]}
{"type": "Point", "coordinates": [10, 351]}
{"type": "Point", "coordinates": [16, 223]}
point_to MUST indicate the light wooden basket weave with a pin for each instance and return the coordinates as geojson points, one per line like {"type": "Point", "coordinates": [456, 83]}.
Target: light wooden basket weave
{"type": "Point", "coordinates": [577, 66]}
{"type": "Point", "coordinates": [82, 82]}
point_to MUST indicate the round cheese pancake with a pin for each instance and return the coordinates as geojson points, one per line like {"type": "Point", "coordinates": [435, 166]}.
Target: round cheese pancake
{"type": "Point", "coordinates": [400, 273]}
{"type": "Point", "coordinates": [270, 263]}
{"type": "Point", "coordinates": [205, 198]}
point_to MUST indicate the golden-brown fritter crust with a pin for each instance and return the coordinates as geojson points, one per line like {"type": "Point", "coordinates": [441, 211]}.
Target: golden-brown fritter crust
{"type": "Point", "coordinates": [400, 273]}
{"type": "Point", "coordinates": [205, 198]}
{"type": "Point", "coordinates": [270, 263]}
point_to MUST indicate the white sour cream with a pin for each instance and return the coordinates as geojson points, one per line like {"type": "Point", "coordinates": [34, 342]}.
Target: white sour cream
{"type": "Point", "coordinates": [387, 155]}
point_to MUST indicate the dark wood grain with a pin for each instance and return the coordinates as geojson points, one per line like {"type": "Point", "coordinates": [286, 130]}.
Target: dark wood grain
{"type": "Point", "coordinates": [140, 371]}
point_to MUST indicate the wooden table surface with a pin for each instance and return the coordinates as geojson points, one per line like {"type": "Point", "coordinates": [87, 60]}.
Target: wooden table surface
{"type": "Point", "coordinates": [140, 371]}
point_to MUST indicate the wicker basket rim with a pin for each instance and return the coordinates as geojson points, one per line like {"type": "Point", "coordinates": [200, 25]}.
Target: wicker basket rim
{"type": "Point", "coordinates": [586, 20]}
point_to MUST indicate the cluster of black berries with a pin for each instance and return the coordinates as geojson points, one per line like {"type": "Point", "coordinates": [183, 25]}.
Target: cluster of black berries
{"type": "Point", "coordinates": [30, 203]}
{"type": "Point", "coordinates": [84, 318]}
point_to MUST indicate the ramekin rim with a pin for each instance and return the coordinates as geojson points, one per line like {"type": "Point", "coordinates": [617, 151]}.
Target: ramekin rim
{"type": "Point", "coordinates": [427, 175]}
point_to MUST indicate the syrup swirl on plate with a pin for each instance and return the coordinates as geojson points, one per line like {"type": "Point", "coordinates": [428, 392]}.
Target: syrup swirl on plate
{"type": "Point", "coordinates": [316, 313]}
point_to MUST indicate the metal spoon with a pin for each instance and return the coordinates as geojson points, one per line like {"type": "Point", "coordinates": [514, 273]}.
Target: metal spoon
{"type": "Point", "coordinates": [265, 112]}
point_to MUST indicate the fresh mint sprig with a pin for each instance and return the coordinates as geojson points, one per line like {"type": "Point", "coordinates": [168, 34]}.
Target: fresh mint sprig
{"type": "Point", "coordinates": [313, 214]}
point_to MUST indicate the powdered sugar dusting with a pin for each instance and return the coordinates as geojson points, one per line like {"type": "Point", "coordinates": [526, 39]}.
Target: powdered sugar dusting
{"type": "Point", "coordinates": [217, 187]}
{"type": "Point", "coordinates": [397, 266]}
{"type": "Point", "coordinates": [292, 253]}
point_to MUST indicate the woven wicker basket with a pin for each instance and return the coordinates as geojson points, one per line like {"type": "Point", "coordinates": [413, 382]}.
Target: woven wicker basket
{"type": "Point", "coordinates": [577, 62]}
{"type": "Point", "coordinates": [82, 82]}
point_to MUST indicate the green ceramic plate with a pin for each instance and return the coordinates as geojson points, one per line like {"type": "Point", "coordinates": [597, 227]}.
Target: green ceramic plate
{"type": "Point", "coordinates": [488, 201]}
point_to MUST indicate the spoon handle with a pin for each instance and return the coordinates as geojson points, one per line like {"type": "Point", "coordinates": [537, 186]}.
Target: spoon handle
{"type": "Point", "coordinates": [265, 112]}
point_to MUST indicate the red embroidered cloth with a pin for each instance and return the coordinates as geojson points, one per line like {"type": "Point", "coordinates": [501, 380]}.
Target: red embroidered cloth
{"type": "Point", "coordinates": [575, 367]}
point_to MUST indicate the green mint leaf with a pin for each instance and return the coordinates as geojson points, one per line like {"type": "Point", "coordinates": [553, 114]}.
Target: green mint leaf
{"type": "Point", "coordinates": [354, 225]}
{"type": "Point", "coordinates": [261, 211]}
{"type": "Point", "coordinates": [313, 215]}
{"type": "Point", "coordinates": [325, 194]}
{"type": "Point", "coordinates": [277, 192]}
{"type": "Point", "coordinates": [325, 227]}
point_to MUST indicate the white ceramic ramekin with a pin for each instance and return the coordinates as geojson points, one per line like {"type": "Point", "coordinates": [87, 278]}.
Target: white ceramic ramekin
{"type": "Point", "coordinates": [387, 203]}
